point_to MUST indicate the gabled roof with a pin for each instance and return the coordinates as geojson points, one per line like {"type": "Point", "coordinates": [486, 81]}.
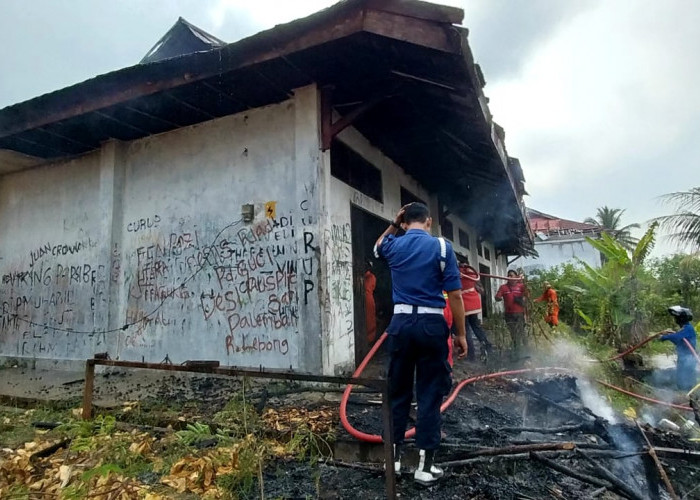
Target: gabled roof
{"type": "Point", "coordinates": [183, 38]}
{"type": "Point", "coordinates": [401, 68]}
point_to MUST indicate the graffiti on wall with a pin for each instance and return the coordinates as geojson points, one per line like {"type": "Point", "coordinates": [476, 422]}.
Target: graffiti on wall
{"type": "Point", "coordinates": [244, 284]}
{"type": "Point", "coordinates": [47, 292]}
{"type": "Point", "coordinates": [338, 303]}
{"type": "Point", "coordinates": [247, 284]}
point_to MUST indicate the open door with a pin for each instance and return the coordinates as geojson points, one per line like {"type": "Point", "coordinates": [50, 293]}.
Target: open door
{"type": "Point", "coordinates": [373, 309]}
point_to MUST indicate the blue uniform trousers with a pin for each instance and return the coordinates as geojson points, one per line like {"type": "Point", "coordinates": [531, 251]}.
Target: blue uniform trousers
{"type": "Point", "coordinates": [418, 346]}
{"type": "Point", "coordinates": [686, 377]}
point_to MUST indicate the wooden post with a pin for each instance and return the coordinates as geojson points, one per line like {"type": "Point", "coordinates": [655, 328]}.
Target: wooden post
{"type": "Point", "coordinates": [89, 386]}
{"type": "Point", "coordinates": [389, 473]}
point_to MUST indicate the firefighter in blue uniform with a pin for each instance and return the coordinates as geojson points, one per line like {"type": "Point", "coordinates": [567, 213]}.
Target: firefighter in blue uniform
{"type": "Point", "coordinates": [685, 365]}
{"type": "Point", "coordinates": [422, 266]}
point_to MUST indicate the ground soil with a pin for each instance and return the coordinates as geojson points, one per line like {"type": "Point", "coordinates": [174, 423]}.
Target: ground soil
{"type": "Point", "coordinates": [475, 420]}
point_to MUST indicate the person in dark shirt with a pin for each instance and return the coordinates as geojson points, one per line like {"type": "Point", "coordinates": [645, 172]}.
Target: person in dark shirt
{"type": "Point", "coordinates": [685, 366]}
{"type": "Point", "coordinates": [513, 295]}
{"type": "Point", "coordinates": [422, 266]}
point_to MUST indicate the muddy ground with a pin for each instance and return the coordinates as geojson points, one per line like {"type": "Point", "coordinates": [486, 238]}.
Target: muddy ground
{"type": "Point", "coordinates": [487, 414]}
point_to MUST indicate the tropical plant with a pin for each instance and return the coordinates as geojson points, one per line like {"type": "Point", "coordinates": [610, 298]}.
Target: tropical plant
{"type": "Point", "coordinates": [609, 220]}
{"type": "Point", "coordinates": [683, 225]}
{"type": "Point", "coordinates": [617, 296]}
{"type": "Point", "coordinates": [678, 280]}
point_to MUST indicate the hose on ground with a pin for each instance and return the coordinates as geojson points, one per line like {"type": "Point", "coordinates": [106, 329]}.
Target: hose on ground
{"type": "Point", "coordinates": [376, 438]}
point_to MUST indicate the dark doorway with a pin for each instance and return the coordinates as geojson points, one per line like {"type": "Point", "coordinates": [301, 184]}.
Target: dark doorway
{"type": "Point", "coordinates": [366, 228]}
{"type": "Point", "coordinates": [487, 299]}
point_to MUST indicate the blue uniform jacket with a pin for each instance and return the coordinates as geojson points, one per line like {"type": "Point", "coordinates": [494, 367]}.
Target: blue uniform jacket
{"type": "Point", "coordinates": [687, 332]}
{"type": "Point", "coordinates": [414, 260]}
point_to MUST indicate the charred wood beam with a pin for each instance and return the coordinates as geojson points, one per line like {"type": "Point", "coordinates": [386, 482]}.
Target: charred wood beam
{"type": "Point", "coordinates": [609, 454]}
{"type": "Point", "coordinates": [122, 123]}
{"type": "Point", "coordinates": [443, 37]}
{"type": "Point", "coordinates": [227, 96]}
{"type": "Point", "coordinates": [152, 116]}
{"type": "Point", "coordinates": [274, 85]}
{"type": "Point", "coordinates": [511, 450]}
{"type": "Point", "coordinates": [570, 472]}
{"type": "Point", "coordinates": [609, 476]}
{"type": "Point", "coordinates": [657, 462]}
{"type": "Point", "coordinates": [64, 138]}
{"type": "Point", "coordinates": [422, 80]}
{"type": "Point", "coordinates": [678, 453]}
{"type": "Point", "coordinates": [588, 446]}
{"type": "Point", "coordinates": [187, 105]}
{"type": "Point", "coordinates": [330, 129]}
{"type": "Point", "coordinates": [420, 10]}
{"type": "Point", "coordinates": [48, 151]}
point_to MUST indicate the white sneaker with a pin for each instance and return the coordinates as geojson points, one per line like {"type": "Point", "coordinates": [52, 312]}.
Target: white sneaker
{"type": "Point", "coordinates": [397, 461]}
{"type": "Point", "coordinates": [430, 476]}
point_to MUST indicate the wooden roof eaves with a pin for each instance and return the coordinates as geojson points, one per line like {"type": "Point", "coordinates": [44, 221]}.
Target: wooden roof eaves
{"type": "Point", "coordinates": [341, 20]}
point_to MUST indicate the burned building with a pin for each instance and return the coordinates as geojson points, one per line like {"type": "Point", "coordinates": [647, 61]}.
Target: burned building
{"type": "Point", "coordinates": [220, 201]}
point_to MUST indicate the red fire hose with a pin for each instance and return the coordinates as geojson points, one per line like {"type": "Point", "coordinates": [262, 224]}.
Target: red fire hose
{"type": "Point", "coordinates": [476, 275]}
{"type": "Point", "coordinates": [375, 438]}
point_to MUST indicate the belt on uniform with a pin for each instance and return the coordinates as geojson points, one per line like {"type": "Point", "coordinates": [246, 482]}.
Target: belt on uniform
{"type": "Point", "coordinates": [407, 309]}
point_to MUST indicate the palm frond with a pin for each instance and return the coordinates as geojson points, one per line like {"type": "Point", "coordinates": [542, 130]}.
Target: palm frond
{"type": "Point", "coordinates": [646, 243]}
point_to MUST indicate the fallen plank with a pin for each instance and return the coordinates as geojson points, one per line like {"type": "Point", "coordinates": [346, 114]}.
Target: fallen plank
{"type": "Point", "coordinates": [609, 454]}
{"type": "Point", "coordinates": [609, 476]}
{"type": "Point", "coordinates": [678, 453]}
{"type": "Point", "coordinates": [543, 430]}
{"type": "Point", "coordinates": [581, 444]}
{"type": "Point", "coordinates": [659, 467]}
{"type": "Point", "coordinates": [570, 472]}
{"type": "Point", "coordinates": [353, 465]}
{"type": "Point", "coordinates": [511, 450]}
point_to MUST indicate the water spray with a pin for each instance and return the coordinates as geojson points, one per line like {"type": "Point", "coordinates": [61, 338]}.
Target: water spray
{"type": "Point", "coordinates": [375, 438]}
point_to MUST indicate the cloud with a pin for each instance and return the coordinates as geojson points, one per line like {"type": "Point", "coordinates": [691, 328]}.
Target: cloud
{"type": "Point", "coordinates": [50, 45]}
{"type": "Point", "coordinates": [602, 111]}
{"type": "Point", "coordinates": [504, 33]}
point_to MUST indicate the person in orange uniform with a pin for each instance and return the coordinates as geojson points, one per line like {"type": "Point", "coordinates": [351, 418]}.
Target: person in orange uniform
{"type": "Point", "coordinates": [370, 307]}
{"type": "Point", "coordinates": [550, 296]}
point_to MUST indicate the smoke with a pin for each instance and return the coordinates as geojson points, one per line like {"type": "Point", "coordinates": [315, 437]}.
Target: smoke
{"type": "Point", "coordinates": [567, 354]}
{"type": "Point", "coordinates": [594, 401]}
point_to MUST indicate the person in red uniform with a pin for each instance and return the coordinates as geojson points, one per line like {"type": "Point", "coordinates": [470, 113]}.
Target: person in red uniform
{"type": "Point", "coordinates": [550, 296]}
{"type": "Point", "coordinates": [471, 297]}
{"type": "Point", "coordinates": [370, 307]}
{"type": "Point", "coordinates": [513, 295]}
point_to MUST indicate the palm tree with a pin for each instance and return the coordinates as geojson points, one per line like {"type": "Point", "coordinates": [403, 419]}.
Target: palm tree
{"type": "Point", "coordinates": [609, 221]}
{"type": "Point", "coordinates": [684, 224]}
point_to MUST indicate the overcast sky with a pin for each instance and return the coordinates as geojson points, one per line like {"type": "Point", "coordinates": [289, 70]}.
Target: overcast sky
{"type": "Point", "coordinates": [598, 98]}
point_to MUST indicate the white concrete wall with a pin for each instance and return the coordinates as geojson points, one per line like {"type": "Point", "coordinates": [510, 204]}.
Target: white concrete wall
{"type": "Point", "coordinates": [50, 260]}
{"type": "Point", "coordinates": [139, 249]}
{"type": "Point", "coordinates": [154, 242]}
{"type": "Point", "coordinates": [556, 252]}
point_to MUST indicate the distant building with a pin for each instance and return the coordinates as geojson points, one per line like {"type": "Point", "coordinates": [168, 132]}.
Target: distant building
{"type": "Point", "coordinates": [560, 241]}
